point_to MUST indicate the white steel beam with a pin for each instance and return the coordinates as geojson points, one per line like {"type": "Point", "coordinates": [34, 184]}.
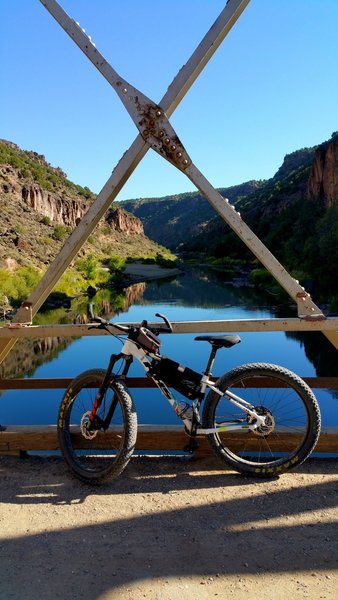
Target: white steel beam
{"type": "Point", "coordinates": [328, 326]}
{"type": "Point", "coordinates": [153, 124]}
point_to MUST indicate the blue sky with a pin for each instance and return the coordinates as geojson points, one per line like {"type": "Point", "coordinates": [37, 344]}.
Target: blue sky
{"type": "Point", "coordinates": [270, 89]}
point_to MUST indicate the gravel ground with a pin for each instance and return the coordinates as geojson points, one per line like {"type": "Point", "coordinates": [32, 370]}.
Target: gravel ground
{"type": "Point", "coordinates": [167, 529]}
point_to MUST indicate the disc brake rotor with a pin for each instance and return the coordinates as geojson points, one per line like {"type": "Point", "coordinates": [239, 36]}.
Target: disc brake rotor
{"type": "Point", "coordinates": [89, 435]}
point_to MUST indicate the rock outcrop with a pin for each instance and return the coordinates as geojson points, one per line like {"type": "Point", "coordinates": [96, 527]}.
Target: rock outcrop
{"type": "Point", "coordinates": [59, 210]}
{"type": "Point", "coordinates": [27, 177]}
{"type": "Point", "coordinates": [125, 222]}
{"type": "Point", "coordinates": [293, 161]}
{"type": "Point", "coordinates": [323, 181]}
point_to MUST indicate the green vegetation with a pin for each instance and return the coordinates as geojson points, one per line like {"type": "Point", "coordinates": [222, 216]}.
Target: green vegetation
{"type": "Point", "coordinates": [46, 221]}
{"type": "Point", "coordinates": [229, 266]}
{"type": "Point", "coordinates": [60, 232]}
{"type": "Point", "coordinates": [166, 261]}
{"type": "Point", "coordinates": [116, 264]}
{"type": "Point", "coordinates": [15, 287]}
{"type": "Point", "coordinates": [19, 228]}
{"type": "Point", "coordinates": [88, 267]}
{"type": "Point", "coordinates": [30, 241]}
{"type": "Point", "coordinates": [300, 231]}
{"type": "Point", "coordinates": [71, 283]}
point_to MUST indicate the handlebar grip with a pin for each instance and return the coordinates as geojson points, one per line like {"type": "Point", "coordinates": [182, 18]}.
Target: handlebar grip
{"type": "Point", "coordinates": [123, 328]}
{"type": "Point", "coordinates": [167, 322]}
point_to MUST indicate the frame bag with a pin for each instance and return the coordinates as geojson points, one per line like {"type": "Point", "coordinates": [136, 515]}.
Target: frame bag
{"type": "Point", "coordinates": [184, 380]}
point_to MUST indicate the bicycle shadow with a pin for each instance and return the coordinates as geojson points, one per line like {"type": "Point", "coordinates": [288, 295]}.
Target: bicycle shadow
{"type": "Point", "coordinates": [258, 529]}
{"type": "Point", "coordinates": [144, 474]}
{"type": "Point", "coordinates": [152, 474]}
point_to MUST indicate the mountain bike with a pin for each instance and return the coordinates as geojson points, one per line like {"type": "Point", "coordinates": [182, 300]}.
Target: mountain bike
{"type": "Point", "coordinates": [260, 419]}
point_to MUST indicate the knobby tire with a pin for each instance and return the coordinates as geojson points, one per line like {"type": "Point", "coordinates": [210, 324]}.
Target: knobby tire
{"type": "Point", "coordinates": [104, 457]}
{"type": "Point", "coordinates": [295, 413]}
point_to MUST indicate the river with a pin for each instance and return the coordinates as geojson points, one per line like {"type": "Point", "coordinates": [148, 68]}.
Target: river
{"type": "Point", "coordinates": [193, 296]}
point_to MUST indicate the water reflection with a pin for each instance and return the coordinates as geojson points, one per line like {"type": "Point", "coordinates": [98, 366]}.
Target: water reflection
{"type": "Point", "coordinates": [29, 354]}
{"type": "Point", "coordinates": [197, 294]}
{"type": "Point", "coordinates": [207, 289]}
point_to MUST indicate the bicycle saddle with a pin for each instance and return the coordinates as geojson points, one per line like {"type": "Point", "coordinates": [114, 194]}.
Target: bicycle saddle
{"type": "Point", "coordinates": [219, 341]}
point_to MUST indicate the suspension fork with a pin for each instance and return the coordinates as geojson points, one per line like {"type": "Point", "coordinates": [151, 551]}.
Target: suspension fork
{"type": "Point", "coordinates": [102, 390]}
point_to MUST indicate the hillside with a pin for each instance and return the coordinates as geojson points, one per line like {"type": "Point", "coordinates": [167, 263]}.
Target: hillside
{"type": "Point", "coordinates": [295, 213]}
{"type": "Point", "coordinates": [175, 220]}
{"type": "Point", "coordinates": [40, 207]}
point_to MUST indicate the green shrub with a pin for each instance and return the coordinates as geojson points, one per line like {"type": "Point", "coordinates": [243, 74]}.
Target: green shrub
{"type": "Point", "coordinates": [88, 267]}
{"type": "Point", "coordinates": [60, 232]}
{"type": "Point", "coordinates": [148, 260]}
{"type": "Point", "coordinates": [46, 220]}
{"type": "Point", "coordinates": [116, 263]}
{"type": "Point", "coordinates": [163, 261]}
{"type": "Point", "coordinates": [71, 283]}
{"type": "Point", "coordinates": [20, 229]}
{"type": "Point", "coordinates": [261, 277]}
{"type": "Point", "coordinates": [18, 285]}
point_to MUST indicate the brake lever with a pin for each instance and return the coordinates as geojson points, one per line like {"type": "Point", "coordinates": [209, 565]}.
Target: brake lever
{"type": "Point", "coordinates": [167, 322]}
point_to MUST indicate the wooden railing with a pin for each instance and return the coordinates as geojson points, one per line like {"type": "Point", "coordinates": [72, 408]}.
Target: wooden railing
{"type": "Point", "coordinates": [161, 438]}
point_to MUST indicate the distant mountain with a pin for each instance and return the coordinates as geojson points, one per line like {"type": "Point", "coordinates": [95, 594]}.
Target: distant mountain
{"type": "Point", "coordinates": [295, 213]}
{"type": "Point", "coordinates": [175, 220]}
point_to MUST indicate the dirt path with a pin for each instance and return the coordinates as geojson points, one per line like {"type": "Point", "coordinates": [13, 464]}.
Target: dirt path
{"type": "Point", "coordinates": [168, 529]}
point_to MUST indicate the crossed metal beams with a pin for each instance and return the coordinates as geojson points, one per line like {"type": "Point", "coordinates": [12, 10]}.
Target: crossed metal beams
{"type": "Point", "coordinates": [156, 132]}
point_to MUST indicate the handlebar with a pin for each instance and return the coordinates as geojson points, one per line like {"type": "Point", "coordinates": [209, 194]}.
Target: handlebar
{"type": "Point", "coordinates": [129, 328]}
{"type": "Point", "coordinates": [167, 322]}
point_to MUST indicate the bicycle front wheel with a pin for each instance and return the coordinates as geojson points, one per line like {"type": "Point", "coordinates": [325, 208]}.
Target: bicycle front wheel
{"type": "Point", "coordinates": [293, 420]}
{"type": "Point", "coordinates": [100, 455]}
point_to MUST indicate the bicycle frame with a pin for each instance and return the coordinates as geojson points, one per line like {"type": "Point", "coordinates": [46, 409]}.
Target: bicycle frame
{"type": "Point", "coordinates": [131, 350]}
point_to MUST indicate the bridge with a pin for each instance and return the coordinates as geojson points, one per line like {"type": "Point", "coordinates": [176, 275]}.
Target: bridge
{"type": "Point", "coordinates": [155, 133]}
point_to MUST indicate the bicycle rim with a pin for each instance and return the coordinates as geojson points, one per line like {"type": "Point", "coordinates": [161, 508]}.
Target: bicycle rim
{"type": "Point", "coordinates": [293, 415]}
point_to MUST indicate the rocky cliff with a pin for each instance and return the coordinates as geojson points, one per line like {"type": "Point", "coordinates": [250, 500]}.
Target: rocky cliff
{"type": "Point", "coordinates": [52, 198]}
{"type": "Point", "coordinates": [124, 222]}
{"type": "Point", "coordinates": [323, 180]}
{"type": "Point", "coordinates": [40, 207]}
{"type": "Point", "coordinates": [294, 160]}
{"type": "Point", "coordinates": [59, 210]}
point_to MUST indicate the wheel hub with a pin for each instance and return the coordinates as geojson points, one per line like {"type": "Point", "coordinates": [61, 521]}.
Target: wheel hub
{"type": "Point", "coordinates": [269, 424]}
{"type": "Point", "coordinates": [88, 434]}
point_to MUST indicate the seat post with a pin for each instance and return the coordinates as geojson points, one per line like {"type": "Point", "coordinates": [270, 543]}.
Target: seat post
{"type": "Point", "coordinates": [211, 360]}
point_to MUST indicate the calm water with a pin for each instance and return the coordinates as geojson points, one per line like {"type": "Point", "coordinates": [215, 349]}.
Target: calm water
{"type": "Point", "coordinates": [189, 297]}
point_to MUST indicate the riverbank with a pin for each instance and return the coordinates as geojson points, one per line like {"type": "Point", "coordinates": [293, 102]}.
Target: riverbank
{"type": "Point", "coordinates": [167, 529]}
{"type": "Point", "coordinates": [137, 272]}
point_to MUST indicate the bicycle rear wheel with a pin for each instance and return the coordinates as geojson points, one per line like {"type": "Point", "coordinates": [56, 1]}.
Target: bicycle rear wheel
{"type": "Point", "coordinates": [96, 456]}
{"type": "Point", "coordinates": [293, 420]}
